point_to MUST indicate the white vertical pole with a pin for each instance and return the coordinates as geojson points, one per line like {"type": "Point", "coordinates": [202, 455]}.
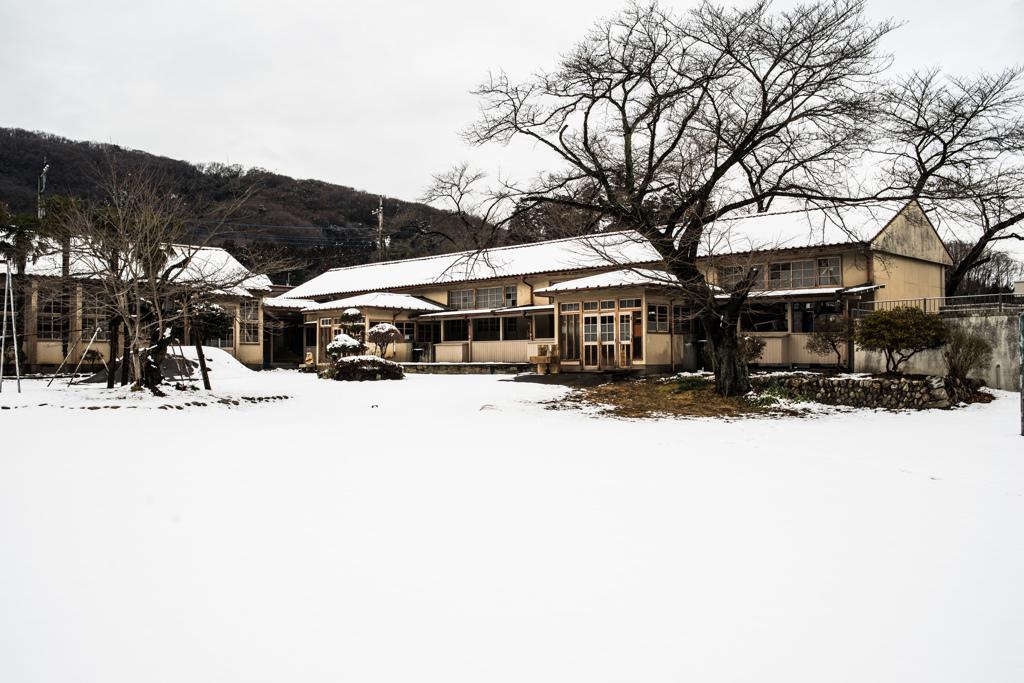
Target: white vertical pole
{"type": "Point", "coordinates": [3, 340]}
{"type": "Point", "coordinates": [9, 296]}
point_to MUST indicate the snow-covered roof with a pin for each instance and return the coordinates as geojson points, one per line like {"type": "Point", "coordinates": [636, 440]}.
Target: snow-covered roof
{"type": "Point", "coordinates": [570, 254]}
{"type": "Point", "coordinates": [784, 227]}
{"type": "Point", "coordinates": [291, 304]}
{"type": "Point", "coordinates": [211, 265]}
{"type": "Point", "coordinates": [793, 226]}
{"type": "Point", "coordinates": [805, 291]}
{"type": "Point", "coordinates": [389, 300]}
{"type": "Point", "coordinates": [640, 277]}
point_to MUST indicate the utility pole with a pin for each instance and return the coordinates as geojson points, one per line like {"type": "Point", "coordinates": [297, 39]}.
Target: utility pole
{"type": "Point", "coordinates": [379, 213]}
{"type": "Point", "coordinates": [40, 188]}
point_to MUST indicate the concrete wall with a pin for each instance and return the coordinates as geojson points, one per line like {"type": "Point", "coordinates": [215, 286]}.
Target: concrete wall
{"type": "Point", "coordinates": [999, 329]}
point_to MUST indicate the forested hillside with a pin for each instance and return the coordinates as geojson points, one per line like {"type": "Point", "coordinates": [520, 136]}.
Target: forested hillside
{"type": "Point", "coordinates": [321, 224]}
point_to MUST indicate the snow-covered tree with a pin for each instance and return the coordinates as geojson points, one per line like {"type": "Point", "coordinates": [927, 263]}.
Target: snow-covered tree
{"type": "Point", "coordinates": [383, 334]}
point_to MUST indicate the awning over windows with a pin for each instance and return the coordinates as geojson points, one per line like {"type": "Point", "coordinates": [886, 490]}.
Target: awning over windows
{"type": "Point", "coordinates": [489, 312]}
{"type": "Point", "coordinates": [807, 292]}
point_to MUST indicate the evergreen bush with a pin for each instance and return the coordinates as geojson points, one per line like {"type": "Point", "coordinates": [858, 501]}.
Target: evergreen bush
{"type": "Point", "coordinates": [900, 333]}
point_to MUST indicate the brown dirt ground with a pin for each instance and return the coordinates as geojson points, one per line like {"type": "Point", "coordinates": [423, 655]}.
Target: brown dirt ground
{"type": "Point", "coordinates": [653, 397]}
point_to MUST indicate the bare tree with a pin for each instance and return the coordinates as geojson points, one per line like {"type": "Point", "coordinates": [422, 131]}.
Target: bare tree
{"type": "Point", "coordinates": [134, 250]}
{"type": "Point", "coordinates": [663, 124]}
{"type": "Point", "coordinates": [831, 334]}
{"type": "Point", "coordinates": [957, 146]}
{"type": "Point", "coordinates": [995, 272]}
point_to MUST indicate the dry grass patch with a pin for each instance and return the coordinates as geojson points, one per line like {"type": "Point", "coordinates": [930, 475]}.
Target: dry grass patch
{"type": "Point", "coordinates": [653, 397]}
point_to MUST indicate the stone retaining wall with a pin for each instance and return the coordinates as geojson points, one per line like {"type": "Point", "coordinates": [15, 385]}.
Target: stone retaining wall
{"type": "Point", "coordinates": [931, 392]}
{"type": "Point", "coordinates": [466, 368]}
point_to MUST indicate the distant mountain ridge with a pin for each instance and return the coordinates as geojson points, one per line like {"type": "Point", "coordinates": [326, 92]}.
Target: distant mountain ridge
{"type": "Point", "coordinates": [327, 225]}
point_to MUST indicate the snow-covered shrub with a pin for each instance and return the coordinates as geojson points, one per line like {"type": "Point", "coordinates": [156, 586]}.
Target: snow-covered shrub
{"type": "Point", "coordinates": [210, 321]}
{"type": "Point", "coordinates": [383, 334]}
{"type": "Point", "coordinates": [362, 368]}
{"type": "Point", "coordinates": [344, 345]}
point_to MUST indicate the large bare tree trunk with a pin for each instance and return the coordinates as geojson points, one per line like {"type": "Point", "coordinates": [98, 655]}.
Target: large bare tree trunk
{"type": "Point", "coordinates": [732, 378]}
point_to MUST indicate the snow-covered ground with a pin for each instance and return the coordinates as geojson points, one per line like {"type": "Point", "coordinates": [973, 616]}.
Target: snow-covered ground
{"type": "Point", "coordinates": [452, 529]}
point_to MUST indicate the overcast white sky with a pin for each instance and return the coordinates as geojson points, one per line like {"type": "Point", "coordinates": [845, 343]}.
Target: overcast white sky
{"type": "Point", "coordinates": [365, 95]}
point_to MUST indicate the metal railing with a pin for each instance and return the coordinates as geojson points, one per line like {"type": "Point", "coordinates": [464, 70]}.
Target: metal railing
{"type": "Point", "coordinates": [984, 303]}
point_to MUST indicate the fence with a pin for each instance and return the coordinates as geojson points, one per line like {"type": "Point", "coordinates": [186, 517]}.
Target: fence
{"type": "Point", "coordinates": [985, 303]}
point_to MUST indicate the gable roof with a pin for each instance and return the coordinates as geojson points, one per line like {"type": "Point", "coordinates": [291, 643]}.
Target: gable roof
{"type": "Point", "coordinates": [206, 264]}
{"type": "Point", "coordinates": [786, 227]}
{"type": "Point", "coordinates": [564, 255]}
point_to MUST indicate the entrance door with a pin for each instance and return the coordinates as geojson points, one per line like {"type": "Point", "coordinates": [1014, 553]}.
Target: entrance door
{"type": "Point", "coordinates": [607, 340]}
{"type": "Point", "coordinates": [590, 341]}
{"type": "Point", "coordinates": [625, 340]}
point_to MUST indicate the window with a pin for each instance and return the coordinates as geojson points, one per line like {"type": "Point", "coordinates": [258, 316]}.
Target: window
{"type": "Point", "coordinates": [249, 322]}
{"type": "Point", "coordinates": [791, 274]}
{"type": "Point", "coordinates": [638, 334]}
{"type": "Point", "coordinates": [93, 316]}
{"type": "Point", "coordinates": [511, 296]}
{"type": "Point", "coordinates": [49, 321]}
{"type": "Point", "coordinates": [569, 335]}
{"type": "Point", "coordinates": [807, 313]}
{"type": "Point", "coordinates": [326, 322]}
{"type": "Point", "coordinates": [607, 328]}
{"type": "Point", "coordinates": [607, 305]}
{"type": "Point", "coordinates": [730, 277]}
{"type": "Point", "coordinates": [461, 300]}
{"type": "Point", "coordinates": [491, 297]}
{"type": "Point", "coordinates": [629, 303]}
{"type": "Point", "coordinates": [428, 332]}
{"type": "Point", "coordinates": [829, 272]}
{"type": "Point", "coordinates": [803, 273]}
{"type": "Point", "coordinates": [570, 308]}
{"type": "Point", "coordinates": [765, 318]}
{"type": "Point", "coordinates": [514, 328]}
{"type": "Point", "coordinates": [487, 329]}
{"type": "Point", "coordinates": [544, 326]}
{"type": "Point", "coordinates": [780, 275]}
{"type": "Point", "coordinates": [681, 320]}
{"type": "Point", "coordinates": [590, 328]}
{"type": "Point", "coordinates": [657, 318]}
{"type": "Point", "coordinates": [590, 306]}
{"type": "Point", "coordinates": [456, 330]}
{"type": "Point", "coordinates": [407, 328]}
{"type": "Point", "coordinates": [229, 340]}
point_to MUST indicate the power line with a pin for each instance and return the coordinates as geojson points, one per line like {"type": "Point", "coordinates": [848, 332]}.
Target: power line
{"type": "Point", "coordinates": [281, 227]}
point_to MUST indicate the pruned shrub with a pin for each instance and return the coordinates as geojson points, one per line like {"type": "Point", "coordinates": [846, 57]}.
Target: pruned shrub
{"type": "Point", "coordinates": [382, 335]}
{"type": "Point", "coordinates": [900, 333]}
{"type": "Point", "coordinates": [366, 368]}
{"type": "Point", "coordinates": [964, 352]}
{"type": "Point", "coordinates": [344, 345]}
